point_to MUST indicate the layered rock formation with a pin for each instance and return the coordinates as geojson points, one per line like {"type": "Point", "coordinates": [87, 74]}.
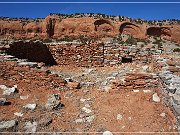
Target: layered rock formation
{"type": "Point", "coordinates": [54, 26]}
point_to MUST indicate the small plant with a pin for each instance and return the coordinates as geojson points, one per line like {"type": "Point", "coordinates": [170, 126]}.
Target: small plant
{"type": "Point", "coordinates": [66, 38]}
{"type": "Point", "coordinates": [47, 40]}
{"type": "Point", "coordinates": [131, 40]}
{"type": "Point", "coordinates": [176, 50]}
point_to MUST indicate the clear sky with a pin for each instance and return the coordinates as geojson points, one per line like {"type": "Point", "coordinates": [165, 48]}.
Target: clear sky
{"type": "Point", "coordinates": [144, 11]}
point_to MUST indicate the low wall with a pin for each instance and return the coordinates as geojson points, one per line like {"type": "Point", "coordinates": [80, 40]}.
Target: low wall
{"type": "Point", "coordinates": [85, 55]}
{"type": "Point", "coordinates": [98, 54]}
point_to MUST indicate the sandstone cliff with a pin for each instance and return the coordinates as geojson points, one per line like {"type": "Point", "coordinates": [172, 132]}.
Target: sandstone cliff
{"type": "Point", "coordinates": [54, 26]}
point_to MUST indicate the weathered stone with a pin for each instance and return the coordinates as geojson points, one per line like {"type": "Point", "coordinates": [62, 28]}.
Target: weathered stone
{"type": "Point", "coordinates": [30, 106]}
{"type": "Point", "coordinates": [2, 101]}
{"type": "Point", "coordinates": [53, 102]}
{"type": "Point", "coordinates": [119, 117]}
{"type": "Point", "coordinates": [155, 98]}
{"type": "Point", "coordinates": [86, 110]}
{"type": "Point", "coordinates": [89, 119]}
{"type": "Point", "coordinates": [30, 64]}
{"type": "Point", "coordinates": [19, 114]}
{"type": "Point", "coordinates": [30, 127]}
{"type": "Point", "coordinates": [176, 99]}
{"type": "Point", "coordinates": [24, 97]}
{"type": "Point", "coordinates": [162, 114]}
{"type": "Point", "coordinates": [177, 109]}
{"type": "Point", "coordinates": [8, 91]}
{"type": "Point", "coordinates": [79, 120]}
{"type": "Point", "coordinates": [107, 133]}
{"type": "Point", "coordinates": [135, 91]}
{"type": "Point", "coordinates": [73, 85]}
{"type": "Point", "coordinates": [5, 125]}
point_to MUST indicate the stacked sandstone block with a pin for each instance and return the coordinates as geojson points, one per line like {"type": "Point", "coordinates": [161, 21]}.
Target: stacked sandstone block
{"type": "Point", "coordinates": [137, 81]}
{"type": "Point", "coordinates": [81, 55]}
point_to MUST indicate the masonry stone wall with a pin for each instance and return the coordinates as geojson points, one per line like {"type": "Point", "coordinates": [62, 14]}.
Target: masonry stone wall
{"type": "Point", "coordinates": [85, 55]}
{"type": "Point", "coordinates": [99, 54]}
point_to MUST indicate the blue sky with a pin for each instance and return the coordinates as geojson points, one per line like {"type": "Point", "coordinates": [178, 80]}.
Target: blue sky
{"type": "Point", "coordinates": [144, 11]}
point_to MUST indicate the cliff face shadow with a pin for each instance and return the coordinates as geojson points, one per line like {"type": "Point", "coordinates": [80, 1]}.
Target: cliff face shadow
{"type": "Point", "coordinates": [159, 31]}
{"type": "Point", "coordinates": [33, 51]}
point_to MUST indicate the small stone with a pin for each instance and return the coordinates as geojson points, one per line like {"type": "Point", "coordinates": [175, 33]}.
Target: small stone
{"type": "Point", "coordinates": [68, 80]}
{"type": "Point", "coordinates": [156, 98]}
{"type": "Point", "coordinates": [73, 85]}
{"type": "Point", "coordinates": [24, 97]}
{"type": "Point", "coordinates": [19, 114]}
{"type": "Point", "coordinates": [86, 110]}
{"type": "Point", "coordinates": [123, 127]}
{"type": "Point", "coordinates": [162, 114]}
{"type": "Point", "coordinates": [90, 118]}
{"type": "Point", "coordinates": [79, 120]}
{"type": "Point", "coordinates": [135, 90]}
{"type": "Point", "coordinates": [87, 105]}
{"type": "Point", "coordinates": [2, 101]}
{"type": "Point", "coordinates": [147, 91]}
{"type": "Point", "coordinates": [7, 124]}
{"type": "Point", "coordinates": [30, 127]}
{"type": "Point", "coordinates": [129, 118]}
{"type": "Point", "coordinates": [119, 117]}
{"type": "Point", "coordinates": [145, 68]}
{"type": "Point", "coordinates": [30, 64]}
{"type": "Point", "coordinates": [107, 133]}
{"type": "Point", "coordinates": [106, 88]}
{"type": "Point", "coordinates": [8, 91]}
{"type": "Point", "coordinates": [53, 102]}
{"type": "Point", "coordinates": [30, 106]}
{"type": "Point", "coordinates": [82, 100]}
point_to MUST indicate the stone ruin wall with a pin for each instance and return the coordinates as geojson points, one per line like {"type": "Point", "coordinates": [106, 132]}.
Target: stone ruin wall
{"type": "Point", "coordinates": [85, 55]}
{"type": "Point", "coordinates": [99, 54]}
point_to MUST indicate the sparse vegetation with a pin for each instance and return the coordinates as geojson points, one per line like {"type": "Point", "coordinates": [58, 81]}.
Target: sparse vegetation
{"type": "Point", "coordinates": [66, 38]}
{"type": "Point", "coordinates": [131, 40]}
{"type": "Point", "coordinates": [176, 50]}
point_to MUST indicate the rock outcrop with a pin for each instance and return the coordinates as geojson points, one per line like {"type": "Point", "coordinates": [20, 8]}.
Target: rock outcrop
{"type": "Point", "coordinates": [54, 26]}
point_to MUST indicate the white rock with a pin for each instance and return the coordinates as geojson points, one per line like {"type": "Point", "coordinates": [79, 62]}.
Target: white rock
{"type": "Point", "coordinates": [31, 64]}
{"type": "Point", "coordinates": [82, 100]}
{"type": "Point", "coordinates": [7, 124]}
{"type": "Point", "coordinates": [24, 97]}
{"type": "Point", "coordinates": [8, 91]}
{"type": "Point", "coordinates": [106, 88]}
{"type": "Point", "coordinates": [156, 98]}
{"type": "Point", "coordinates": [135, 90]}
{"type": "Point", "coordinates": [19, 114]}
{"type": "Point", "coordinates": [119, 117]}
{"type": "Point", "coordinates": [162, 114]}
{"type": "Point", "coordinates": [79, 120]}
{"type": "Point", "coordinates": [147, 91]}
{"type": "Point", "coordinates": [53, 101]}
{"type": "Point", "coordinates": [30, 127]}
{"type": "Point", "coordinates": [30, 106]}
{"type": "Point", "coordinates": [87, 105]}
{"type": "Point", "coordinates": [107, 133]}
{"type": "Point", "coordinates": [90, 118]}
{"type": "Point", "coordinates": [86, 110]}
{"type": "Point", "coordinates": [145, 68]}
